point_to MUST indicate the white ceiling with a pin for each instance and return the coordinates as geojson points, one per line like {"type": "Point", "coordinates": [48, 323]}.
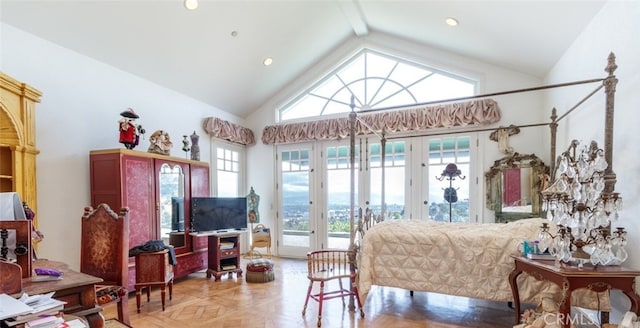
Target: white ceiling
{"type": "Point", "coordinates": [194, 52]}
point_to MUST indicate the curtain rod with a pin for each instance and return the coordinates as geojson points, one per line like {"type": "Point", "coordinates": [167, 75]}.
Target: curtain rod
{"type": "Point", "coordinates": [580, 103]}
{"type": "Point", "coordinates": [463, 131]}
{"type": "Point", "coordinates": [519, 126]}
{"type": "Point", "coordinates": [551, 86]}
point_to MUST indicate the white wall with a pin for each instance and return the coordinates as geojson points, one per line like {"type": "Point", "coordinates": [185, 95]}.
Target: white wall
{"type": "Point", "coordinates": [81, 102]}
{"type": "Point", "coordinates": [615, 29]}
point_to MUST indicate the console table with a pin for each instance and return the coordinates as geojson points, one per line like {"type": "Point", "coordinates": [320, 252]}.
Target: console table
{"type": "Point", "coordinates": [75, 288]}
{"type": "Point", "coordinates": [570, 278]}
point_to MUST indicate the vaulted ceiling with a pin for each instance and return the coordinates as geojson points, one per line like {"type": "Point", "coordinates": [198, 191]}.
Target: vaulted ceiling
{"type": "Point", "coordinates": [215, 53]}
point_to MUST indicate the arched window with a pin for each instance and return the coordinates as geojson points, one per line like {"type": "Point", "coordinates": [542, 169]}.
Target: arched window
{"type": "Point", "coordinates": [375, 80]}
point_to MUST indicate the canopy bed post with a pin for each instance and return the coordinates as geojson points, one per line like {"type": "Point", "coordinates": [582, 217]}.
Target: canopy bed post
{"type": "Point", "coordinates": [554, 135]}
{"type": "Point", "coordinates": [610, 90]}
{"type": "Point", "coordinates": [383, 153]}
{"type": "Point", "coordinates": [352, 231]}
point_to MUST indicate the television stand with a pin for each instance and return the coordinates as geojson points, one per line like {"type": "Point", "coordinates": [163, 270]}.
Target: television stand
{"type": "Point", "coordinates": [224, 255]}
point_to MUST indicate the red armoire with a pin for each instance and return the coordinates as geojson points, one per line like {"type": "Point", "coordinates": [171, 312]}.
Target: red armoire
{"type": "Point", "coordinates": [157, 189]}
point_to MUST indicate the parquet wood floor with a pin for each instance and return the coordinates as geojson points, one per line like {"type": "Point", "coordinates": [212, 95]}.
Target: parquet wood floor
{"type": "Point", "coordinates": [232, 303]}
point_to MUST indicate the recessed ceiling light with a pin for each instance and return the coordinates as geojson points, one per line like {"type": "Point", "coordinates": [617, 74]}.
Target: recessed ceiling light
{"type": "Point", "coordinates": [191, 4]}
{"type": "Point", "coordinates": [267, 61]}
{"type": "Point", "coordinates": [451, 21]}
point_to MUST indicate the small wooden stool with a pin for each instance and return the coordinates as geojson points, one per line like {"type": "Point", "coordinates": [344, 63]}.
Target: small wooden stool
{"type": "Point", "coordinates": [153, 269]}
{"type": "Point", "coordinates": [260, 270]}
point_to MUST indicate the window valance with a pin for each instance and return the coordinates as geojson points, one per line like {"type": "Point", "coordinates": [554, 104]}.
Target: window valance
{"type": "Point", "coordinates": [475, 112]}
{"type": "Point", "coordinates": [221, 129]}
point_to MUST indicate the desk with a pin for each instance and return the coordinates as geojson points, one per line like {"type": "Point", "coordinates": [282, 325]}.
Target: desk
{"type": "Point", "coordinates": [75, 288]}
{"type": "Point", "coordinates": [570, 278]}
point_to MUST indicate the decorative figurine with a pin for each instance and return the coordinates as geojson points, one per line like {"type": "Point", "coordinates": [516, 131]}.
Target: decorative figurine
{"type": "Point", "coordinates": [195, 148]}
{"type": "Point", "coordinates": [185, 145]}
{"type": "Point", "coordinates": [160, 143]}
{"type": "Point", "coordinates": [253, 203]}
{"type": "Point", "coordinates": [129, 131]}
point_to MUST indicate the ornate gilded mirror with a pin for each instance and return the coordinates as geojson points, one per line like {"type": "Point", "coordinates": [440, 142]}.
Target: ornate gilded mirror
{"type": "Point", "coordinates": [513, 186]}
{"type": "Point", "coordinates": [171, 205]}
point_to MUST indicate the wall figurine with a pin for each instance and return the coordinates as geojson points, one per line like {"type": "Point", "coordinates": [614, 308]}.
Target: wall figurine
{"type": "Point", "coordinates": [501, 136]}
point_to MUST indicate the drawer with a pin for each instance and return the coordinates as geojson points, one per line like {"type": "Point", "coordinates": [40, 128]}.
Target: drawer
{"type": "Point", "coordinates": [229, 253]}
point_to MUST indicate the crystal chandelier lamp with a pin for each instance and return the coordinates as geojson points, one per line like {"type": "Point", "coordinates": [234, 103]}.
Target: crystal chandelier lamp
{"type": "Point", "coordinates": [583, 209]}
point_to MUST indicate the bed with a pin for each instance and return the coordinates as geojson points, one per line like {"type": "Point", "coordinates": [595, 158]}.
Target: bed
{"type": "Point", "coordinates": [470, 260]}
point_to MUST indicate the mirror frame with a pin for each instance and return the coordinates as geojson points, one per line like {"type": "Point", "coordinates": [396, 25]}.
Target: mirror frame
{"type": "Point", "coordinates": [494, 188]}
{"type": "Point", "coordinates": [176, 238]}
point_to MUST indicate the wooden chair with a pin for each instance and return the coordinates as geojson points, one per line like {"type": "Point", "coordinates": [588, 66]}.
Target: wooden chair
{"type": "Point", "coordinates": [10, 278]}
{"type": "Point", "coordinates": [331, 264]}
{"type": "Point", "coordinates": [22, 247]}
{"type": "Point", "coordinates": [105, 254]}
{"type": "Point", "coordinates": [260, 238]}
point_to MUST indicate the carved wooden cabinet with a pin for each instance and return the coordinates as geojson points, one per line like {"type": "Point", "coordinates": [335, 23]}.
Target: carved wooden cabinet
{"type": "Point", "coordinates": [18, 139]}
{"type": "Point", "coordinates": [130, 178]}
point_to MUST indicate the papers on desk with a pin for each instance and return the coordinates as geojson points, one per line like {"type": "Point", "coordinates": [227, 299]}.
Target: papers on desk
{"type": "Point", "coordinates": [11, 307]}
{"type": "Point", "coordinates": [28, 308]}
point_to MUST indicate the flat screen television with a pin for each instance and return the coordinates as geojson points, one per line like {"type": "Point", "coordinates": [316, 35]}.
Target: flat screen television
{"type": "Point", "coordinates": [177, 213]}
{"type": "Point", "coordinates": [218, 213]}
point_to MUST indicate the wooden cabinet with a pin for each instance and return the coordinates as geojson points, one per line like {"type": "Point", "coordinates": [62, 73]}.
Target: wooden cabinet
{"type": "Point", "coordinates": [224, 255]}
{"type": "Point", "coordinates": [153, 269]}
{"type": "Point", "coordinates": [129, 178]}
{"type": "Point", "coordinates": [18, 139]}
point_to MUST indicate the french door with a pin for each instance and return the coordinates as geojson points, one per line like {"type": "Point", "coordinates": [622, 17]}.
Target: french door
{"type": "Point", "coordinates": [314, 186]}
{"type": "Point", "coordinates": [443, 197]}
{"type": "Point", "coordinates": [314, 190]}
{"type": "Point", "coordinates": [297, 214]}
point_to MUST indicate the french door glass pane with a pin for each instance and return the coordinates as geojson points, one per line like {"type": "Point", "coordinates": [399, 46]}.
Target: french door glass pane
{"type": "Point", "coordinates": [443, 151]}
{"type": "Point", "coordinates": [295, 198]}
{"type": "Point", "coordinates": [394, 172]}
{"type": "Point", "coordinates": [227, 172]}
{"type": "Point", "coordinates": [339, 195]}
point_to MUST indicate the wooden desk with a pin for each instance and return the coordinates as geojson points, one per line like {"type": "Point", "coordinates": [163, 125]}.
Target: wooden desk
{"type": "Point", "coordinates": [75, 288]}
{"type": "Point", "coordinates": [570, 278]}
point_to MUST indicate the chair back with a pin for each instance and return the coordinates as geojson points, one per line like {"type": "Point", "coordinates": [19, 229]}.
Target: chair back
{"type": "Point", "coordinates": [105, 244]}
{"type": "Point", "coordinates": [17, 236]}
{"type": "Point", "coordinates": [261, 235]}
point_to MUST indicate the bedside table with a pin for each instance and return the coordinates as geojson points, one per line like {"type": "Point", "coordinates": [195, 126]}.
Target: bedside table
{"type": "Point", "coordinates": [570, 278]}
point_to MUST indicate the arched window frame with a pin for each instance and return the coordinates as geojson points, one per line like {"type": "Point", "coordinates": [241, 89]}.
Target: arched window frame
{"type": "Point", "coordinates": [400, 83]}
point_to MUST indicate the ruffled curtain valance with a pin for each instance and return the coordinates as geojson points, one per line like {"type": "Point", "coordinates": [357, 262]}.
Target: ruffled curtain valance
{"type": "Point", "coordinates": [221, 129]}
{"type": "Point", "coordinates": [475, 112]}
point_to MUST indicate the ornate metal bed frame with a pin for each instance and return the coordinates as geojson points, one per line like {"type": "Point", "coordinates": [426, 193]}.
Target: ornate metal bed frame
{"type": "Point", "coordinates": [359, 226]}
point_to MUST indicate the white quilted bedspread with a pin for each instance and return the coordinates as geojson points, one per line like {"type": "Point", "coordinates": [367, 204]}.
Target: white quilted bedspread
{"type": "Point", "coordinates": [472, 260]}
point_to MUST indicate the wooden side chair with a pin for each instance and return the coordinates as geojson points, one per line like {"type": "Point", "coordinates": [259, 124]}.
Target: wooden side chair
{"type": "Point", "coordinates": [105, 254]}
{"type": "Point", "coordinates": [331, 264]}
{"type": "Point", "coordinates": [260, 238]}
